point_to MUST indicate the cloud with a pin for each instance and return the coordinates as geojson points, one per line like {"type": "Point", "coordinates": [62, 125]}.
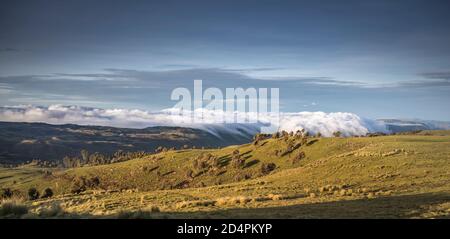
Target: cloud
{"type": "Point", "coordinates": [148, 89]}
{"type": "Point", "coordinates": [436, 75]}
{"type": "Point", "coordinates": [432, 79]}
{"type": "Point", "coordinates": [313, 122]}
{"type": "Point", "coordinates": [9, 49]}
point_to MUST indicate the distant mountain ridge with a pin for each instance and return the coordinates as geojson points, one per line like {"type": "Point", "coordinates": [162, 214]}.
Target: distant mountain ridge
{"type": "Point", "coordinates": [21, 142]}
{"type": "Point", "coordinates": [400, 125]}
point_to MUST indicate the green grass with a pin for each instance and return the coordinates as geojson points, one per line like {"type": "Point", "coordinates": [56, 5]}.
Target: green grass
{"type": "Point", "coordinates": [389, 177]}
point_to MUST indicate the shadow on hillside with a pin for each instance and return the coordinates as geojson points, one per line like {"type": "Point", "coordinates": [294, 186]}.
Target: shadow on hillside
{"type": "Point", "coordinates": [406, 206]}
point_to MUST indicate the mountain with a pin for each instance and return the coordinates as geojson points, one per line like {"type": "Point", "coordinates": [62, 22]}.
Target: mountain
{"type": "Point", "coordinates": [399, 125]}
{"type": "Point", "coordinates": [21, 142]}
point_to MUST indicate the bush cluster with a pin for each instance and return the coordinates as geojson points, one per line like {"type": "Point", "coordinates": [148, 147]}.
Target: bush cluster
{"type": "Point", "coordinates": [267, 168]}
{"type": "Point", "coordinates": [81, 184]}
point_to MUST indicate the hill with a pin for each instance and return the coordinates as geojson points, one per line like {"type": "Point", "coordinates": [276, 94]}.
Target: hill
{"type": "Point", "coordinates": [398, 176]}
{"type": "Point", "coordinates": [22, 142]}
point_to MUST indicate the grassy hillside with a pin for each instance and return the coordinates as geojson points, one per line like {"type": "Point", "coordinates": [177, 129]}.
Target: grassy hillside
{"type": "Point", "coordinates": [21, 142]}
{"type": "Point", "coordinates": [388, 176]}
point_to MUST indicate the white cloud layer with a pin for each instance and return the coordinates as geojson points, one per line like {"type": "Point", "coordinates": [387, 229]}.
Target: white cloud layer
{"type": "Point", "coordinates": [313, 122]}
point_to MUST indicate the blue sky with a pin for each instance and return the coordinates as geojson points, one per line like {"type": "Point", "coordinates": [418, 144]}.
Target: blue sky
{"type": "Point", "coordinates": [377, 59]}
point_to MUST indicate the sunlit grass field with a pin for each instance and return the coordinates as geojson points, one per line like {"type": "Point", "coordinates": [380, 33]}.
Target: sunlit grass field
{"type": "Point", "coordinates": [397, 176]}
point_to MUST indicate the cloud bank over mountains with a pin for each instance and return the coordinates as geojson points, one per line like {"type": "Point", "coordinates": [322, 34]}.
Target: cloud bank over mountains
{"type": "Point", "coordinates": [313, 122]}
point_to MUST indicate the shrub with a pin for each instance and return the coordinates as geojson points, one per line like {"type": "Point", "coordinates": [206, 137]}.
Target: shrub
{"type": "Point", "coordinates": [238, 163]}
{"type": "Point", "coordinates": [232, 200]}
{"type": "Point", "coordinates": [48, 192]}
{"type": "Point", "coordinates": [199, 164]}
{"type": "Point", "coordinates": [93, 182]}
{"type": "Point", "coordinates": [242, 176]}
{"type": "Point", "coordinates": [159, 149]}
{"type": "Point", "coordinates": [6, 193]}
{"type": "Point", "coordinates": [189, 174]}
{"type": "Point", "coordinates": [206, 161]}
{"type": "Point", "coordinates": [276, 152]}
{"type": "Point", "coordinates": [267, 168]}
{"type": "Point", "coordinates": [301, 155]}
{"type": "Point", "coordinates": [81, 184]}
{"type": "Point", "coordinates": [289, 148]}
{"type": "Point", "coordinates": [276, 135]}
{"type": "Point", "coordinates": [33, 194]}
{"type": "Point", "coordinates": [235, 152]}
{"type": "Point", "coordinates": [215, 162]}
{"type": "Point", "coordinates": [243, 199]}
{"type": "Point", "coordinates": [275, 197]}
{"type": "Point", "coordinates": [53, 210]}
{"type": "Point", "coordinates": [154, 208]}
{"type": "Point", "coordinates": [12, 208]}
{"type": "Point", "coordinates": [139, 214]}
{"type": "Point", "coordinates": [260, 136]}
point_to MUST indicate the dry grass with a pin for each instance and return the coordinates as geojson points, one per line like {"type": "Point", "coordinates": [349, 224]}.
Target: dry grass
{"type": "Point", "coordinates": [13, 208]}
{"type": "Point", "coordinates": [332, 177]}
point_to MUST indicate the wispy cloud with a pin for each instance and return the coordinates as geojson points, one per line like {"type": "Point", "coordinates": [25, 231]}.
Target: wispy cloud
{"type": "Point", "coordinates": [152, 89]}
{"type": "Point", "coordinates": [9, 49]}
{"type": "Point", "coordinates": [314, 122]}
{"type": "Point", "coordinates": [430, 79]}
{"type": "Point", "coordinates": [437, 75]}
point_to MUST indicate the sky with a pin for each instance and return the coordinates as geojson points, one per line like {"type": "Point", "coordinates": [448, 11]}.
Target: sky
{"type": "Point", "coordinates": [377, 59]}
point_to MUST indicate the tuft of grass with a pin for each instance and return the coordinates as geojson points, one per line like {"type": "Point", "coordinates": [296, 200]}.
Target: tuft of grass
{"type": "Point", "coordinates": [275, 197]}
{"type": "Point", "coordinates": [12, 208]}
{"type": "Point", "coordinates": [53, 210]}
{"type": "Point", "coordinates": [196, 203]}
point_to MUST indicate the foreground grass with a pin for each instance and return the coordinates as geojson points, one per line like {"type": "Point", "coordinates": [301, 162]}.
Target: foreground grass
{"type": "Point", "coordinates": [403, 176]}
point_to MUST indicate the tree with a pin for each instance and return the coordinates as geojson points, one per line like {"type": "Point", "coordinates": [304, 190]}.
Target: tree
{"type": "Point", "coordinates": [337, 134]}
{"type": "Point", "coordinates": [84, 156]}
{"type": "Point", "coordinates": [215, 162]}
{"type": "Point", "coordinates": [78, 185]}
{"type": "Point", "coordinates": [236, 160]}
{"type": "Point", "coordinates": [298, 157]}
{"type": "Point", "coordinates": [276, 135]}
{"type": "Point", "coordinates": [48, 192]}
{"type": "Point", "coordinates": [289, 148]}
{"type": "Point", "coordinates": [267, 168]}
{"type": "Point", "coordinates": [33, 194]}
{"type": "Point", "coordinates": [235, 152]}
{"type": "Point", "coordinates": [6, 193]}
